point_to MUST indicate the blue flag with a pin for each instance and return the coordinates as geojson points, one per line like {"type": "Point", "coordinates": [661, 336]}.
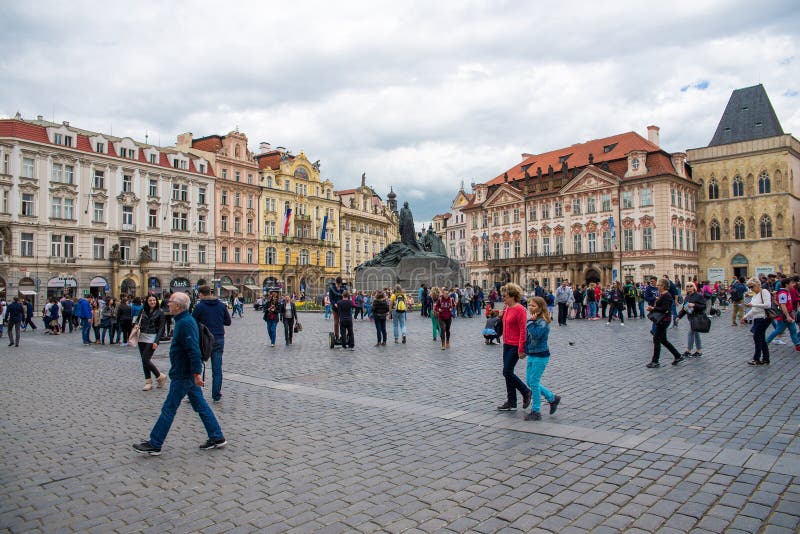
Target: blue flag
{"type": "Point", "coordinates": [324, 227]}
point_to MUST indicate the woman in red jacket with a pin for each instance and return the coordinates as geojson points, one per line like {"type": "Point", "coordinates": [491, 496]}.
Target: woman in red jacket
{"type": "Point", "coordinates": [514, 317]}
{"type": "Point", "coordinates": [443, 310]}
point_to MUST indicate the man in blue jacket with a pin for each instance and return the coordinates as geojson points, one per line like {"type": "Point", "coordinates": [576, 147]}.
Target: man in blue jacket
{"type": "Point", "coordinates": [83, 311]}
{"type": "Point", "coordinates": [213, 313]}
{"type": "Point", "coordinates": [186, 366]}
{"type": "Point", "coordinates": [15, 315]}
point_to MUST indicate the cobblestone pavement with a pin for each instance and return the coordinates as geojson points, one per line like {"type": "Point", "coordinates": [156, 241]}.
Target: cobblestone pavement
{"type": "Point", "coordinates": [405, 438]}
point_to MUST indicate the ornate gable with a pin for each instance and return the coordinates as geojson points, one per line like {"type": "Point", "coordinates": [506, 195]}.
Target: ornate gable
{"type": "Point", "coordinates": [505, 194]}
{"type": "Point", "coordinates": [590, 179]}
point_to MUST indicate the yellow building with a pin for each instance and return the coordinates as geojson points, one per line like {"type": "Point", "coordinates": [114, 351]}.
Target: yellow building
{"type": "Point", "coordinates": [749, 201]}
{"type": "Point", "coordinates": [368, 225]}
{"type": "Point", "coordinates": [297, 260]}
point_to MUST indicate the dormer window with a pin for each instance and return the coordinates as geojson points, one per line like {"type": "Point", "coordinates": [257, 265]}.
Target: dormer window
{"type": "Point", "coordinates": [201, 168]}
{"type": "Point", "coordinates": [101, 148]}
{"type": "Point", "coordinates": [62, 139]}
{"type": "Point", "coordinates": [609, 148]}
{"type": "Point", "coordinates": [563, 159]}
{"type": "Point", "coordinates": [153, 159]}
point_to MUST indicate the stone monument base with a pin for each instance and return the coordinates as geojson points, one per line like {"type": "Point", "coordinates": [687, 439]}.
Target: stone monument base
{"type": "Point", "coordinates": [411, 273]}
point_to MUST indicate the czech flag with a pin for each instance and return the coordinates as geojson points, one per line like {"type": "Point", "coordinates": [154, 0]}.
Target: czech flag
{"type": "Point", "coordinates": [324, 228]}
{"type": "Point", "coordinates": [286, 221]}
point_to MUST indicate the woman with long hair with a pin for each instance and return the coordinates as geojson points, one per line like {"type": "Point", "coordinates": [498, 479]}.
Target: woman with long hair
{"type": "Point", "coordinates": [108, 322]}
{"type": "Point", "coordinates": [443, 308]}
{"type": "Point", "coordinates": [694, 304]}
{"type": "Point", "coordinates": [97, 317]}
{"type": "Point", "coordinates": [271, 309]}
{"type": "Point", "coordinates": [151, 329]}
{"type": "Point", "coordinates": [760, 301]}
{"type": "Point", "coordinates": [514, 318]}
{"type": "Point", "coordinates": [662, 317]}
{"type": "Point", "coordinates": [538, 352]}
{"type": "Point", "coordinates": [380, 310]}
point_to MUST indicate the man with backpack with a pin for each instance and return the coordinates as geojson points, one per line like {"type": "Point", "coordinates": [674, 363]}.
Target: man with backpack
{"type": "Point", "coordinates": [186, 366]}
{"type": "Point", "coordinates": [213, 313]}
{"type": "Point", "coordinates": [737, 291]}
{"type": "Point", "coordinates": [399, 308]}
{"type": "Point", "coordinates": [630, 299]}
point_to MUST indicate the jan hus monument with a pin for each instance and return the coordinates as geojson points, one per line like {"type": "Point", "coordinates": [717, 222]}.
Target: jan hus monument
{"type": "Point", "coordinates": [414, 260]}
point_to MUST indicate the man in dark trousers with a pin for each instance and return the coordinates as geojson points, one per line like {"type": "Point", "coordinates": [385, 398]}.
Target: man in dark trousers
{"type": "Point", "coordinates": [28, 315]}
{"type": "Point", "coordinates": [213, 313]}
{"type": "Point", "coordinates": [66, 314]}
{"type": "Point", "coordinates": [345, 310]}
{"type": "Point", "coordinates": [186, 364]}
{"type": "Point", "coordinates": [15, 315]}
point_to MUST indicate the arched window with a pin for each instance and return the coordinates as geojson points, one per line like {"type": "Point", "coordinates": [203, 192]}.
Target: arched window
{"type": "Point", "coordinates": [766, 226]}
{"type": "Point", "coordinates": [713, 189]}
{"type": "Point", "coordinates": [714, 230]}
{"type": "Point", "coordinates": [304, 257]}
{"type": "Point", "coordinates": [763, 183]}
{"type": "Point", "coordinates": [270, 256]}
{"type": "Point", "coordinates": [738, 186]}
{"type": "Point", "coordinates": [738, 228]}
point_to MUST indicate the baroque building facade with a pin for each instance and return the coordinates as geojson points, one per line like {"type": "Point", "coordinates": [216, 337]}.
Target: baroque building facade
{"type": "Point", "coordinates": [367, 225]}
{"type": "Point", "coordinates": [296, 203]}
{"type": "Point", "coordinates": [236, 214]}
{"type": "Point", "coordinates": [612, 208]}
{"type": "Point", "coordinates": [84, 212]}
{"type": "Point", "coordinates": [749, 201]}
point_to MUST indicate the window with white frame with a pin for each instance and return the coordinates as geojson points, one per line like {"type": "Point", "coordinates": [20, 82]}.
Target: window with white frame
{"type": "Point", "coordinates": [127, 217]}
{"type": "Point", "coordinates": [28, 168]}
{"type": "Point", "coordinates": [249, 255]}
{"type": "Point", "coordinates": [5, 195]}
{"type": "Point", "coordinates": [26, 244]}
{"type": "Point", "coordinates": [646, 195]}
{"type": "Point", "coordinates": [223, 199]}
{"type": "Point", "coordinates": [99, 248]}
{"type": "Point", "coordinates": [99, 212]}
{"type": "Point", "coordinates": [576, 206]}
{"type": "Point", "coordinates": [180, 253]}
{"type": "Point", "coordinates": [605, 201]}
{"type": "Point", "coordinates": [237, 255]}
{"type": "Point", "coordinates": [249, 226]}
{"type": "Point", "coordinates": [99, 180]}
{"type": "Point", "coordinates": [608, 243]}
{"type": "Point", "coordinates": [224, 223]}
{"type": "Point", "coordinates": [153, 245]}
{"type": "Point", "coordinates": [100, 148]}
{"type": "Point", "coordinates": [237, 225]}
{"type": "Point", "coordinates": [559, 245]}
{"type": "Point", "coordinates": [55, 209]}
{"type": "Point", "coordinates": [546, 210]}
{"type": "Point", "coordinates": [249, 201]}
{"type": "Point", "coordinates": [223, 254]}
{"type": "Point", "coordinates": [270, 255]}
{"type": "Point", "coordinates": [27, 204]}
{"type": "Point", "coordinates": [647, 238]}
{"type": "Point", "coordinates": [330, 259]}
{"type": "Point", "coordinates": [201, 196]}
{"type": "Point", "coordinates": [6, 164]}
{"type": "Point", "coordinates": [591, 205]}
{"type": "Point", "coordinates": [127, 183]}
{"type": "Point", "coordinates": [152, 218]}
{"type": "Point", "coordinates": [237, 199]}
{"type": "Point", "coordinates": [201, 224]}
{"type": "Point", "coordinates": [627, 236]}
{"type": "Point", "coordinates": [577, 244]}
{"type": "Point", "coordinates": [55, 246]}
{"type": "Point", "coordinates": [180, 192]}
{"type": "Point", "coordinates": [546, 246]}
{"type": "Point", "coordinates": [591, 240]}
{"type": "Point", "coordinates": [201, 254]}
{"type": "Point", "coordinates": [180, 221]}
{"type": "Point", "coordinates": [125, 246]}
{"type": "Point", "coordinates": [558, 210]}
{"type": "Point", "coordinates": [153, 159]}
{"type": "Point", "coordinates": [152, 188]}
{"type": "Point", "coordinates": [627, 199]}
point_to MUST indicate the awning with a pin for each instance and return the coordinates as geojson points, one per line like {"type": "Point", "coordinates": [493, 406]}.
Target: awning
{"type": "Point", "coordinates": [98, 281]}
{"type": "Point", "coordinates": [26, 292]}
{"type": "Point", "coordinates": [230, 288]}
{"type": "Point", "coordinates": [253, 288]}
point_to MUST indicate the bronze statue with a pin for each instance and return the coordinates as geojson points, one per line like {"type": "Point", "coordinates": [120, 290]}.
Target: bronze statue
{"type": "Point", "coordinates": [408, 236]}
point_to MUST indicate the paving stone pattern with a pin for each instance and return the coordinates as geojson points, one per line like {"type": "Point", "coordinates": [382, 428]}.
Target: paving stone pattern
{"type": "Point", "coordinates": [405, 438]}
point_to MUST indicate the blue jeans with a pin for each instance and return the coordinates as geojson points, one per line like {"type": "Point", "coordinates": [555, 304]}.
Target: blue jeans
{"type": "Point", "coordinates": [399, 318]}
{"type": "Point", "coordinates": [216, 367]}
{"type": "Point", "coordinates": [327, 311]}
{"type": "Point", "coordinates": [592, 309]}
{"type": "Point", "coordinates": [85, 325]}
{"type": "Point", "coordinates": [694, 340]}
{"type": "Point", "coordinates": [178, 389]}
{"type": "Point", "coordinates": [641, 308]}
{"type": "Point", "coordinates": [513, 382]}
{"type": "Point", "coordinates": [272, 330]}
{"type": "Point", "coordinates": [533, 376]}
{"type": "Point", "coordinates": [780, 326]}
{"type": "Point", "coordinates": [674, 313]}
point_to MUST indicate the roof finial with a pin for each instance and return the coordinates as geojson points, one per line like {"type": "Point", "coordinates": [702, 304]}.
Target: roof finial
{"type": "Point", "coordinates": [363, 179]}
{"type": "Point", "coordinates": [462, 185]}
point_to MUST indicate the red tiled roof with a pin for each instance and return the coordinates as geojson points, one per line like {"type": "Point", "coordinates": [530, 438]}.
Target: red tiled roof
{"type": "Point", "coordinates": [270, 160]}
{"type": "Point", "coordinates": [619, 145]}
{"type": "Point", "coordinates": [211, 143]}
{"type": "Point", "coordinates": [37, 133]}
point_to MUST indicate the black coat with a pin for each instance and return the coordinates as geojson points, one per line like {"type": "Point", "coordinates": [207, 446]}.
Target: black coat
{"type": "Point", "coordinates": [699, 304]}
{"type": "Point", "coordinates": [282, 311]}
{"type": "Point", "coordinates": [380, 308]}
{"type": "Point", "coordinates": [152, 323]}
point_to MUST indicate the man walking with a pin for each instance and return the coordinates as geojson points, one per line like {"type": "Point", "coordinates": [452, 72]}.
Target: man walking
{"type": "Point", "coordinates": [213, 313]}
{"type": "Point", "coordinates": [399, 307]}
{"type": "Point", "coordinates": [563, 298]}
{"type": "Point", "coordinates": [28, 315]}
{"type": "Point", "coordinates": [15, 315]}
{"type": "Point", "coordinates": [737, 291]}
{"type": "Point", "coordinates": [185, 379]}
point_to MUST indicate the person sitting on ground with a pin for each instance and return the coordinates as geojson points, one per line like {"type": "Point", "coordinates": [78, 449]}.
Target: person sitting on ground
{"type": "Point", "coordinates": [493, 323]}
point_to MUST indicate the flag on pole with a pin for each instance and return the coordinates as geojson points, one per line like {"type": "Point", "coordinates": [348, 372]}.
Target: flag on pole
{"type": "Point", "coordinates": [286, 221]}
{"type": "Point", "coordinates": [485, 237]}
{"type": "Point", "coordinates": [613, 232]}
{"type": "Point", "coordinates": [324, 227]}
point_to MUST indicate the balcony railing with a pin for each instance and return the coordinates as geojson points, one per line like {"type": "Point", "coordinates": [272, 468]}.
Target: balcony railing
{"type": "Point", "coordinates": [128, 227]}
{"type": "Point", "coordinates": [552, 258]}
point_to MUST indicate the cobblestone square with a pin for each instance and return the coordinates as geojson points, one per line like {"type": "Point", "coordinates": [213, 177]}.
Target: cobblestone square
{"type": "Point", "coordinates": [406, 438]}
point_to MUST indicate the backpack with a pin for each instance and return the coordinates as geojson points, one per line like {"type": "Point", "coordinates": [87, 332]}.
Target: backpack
{"type": "Point", "coordinates": [737, 292]}
{"type": "Point", "coordinates": [206, 341]}
{"type": "Point", "coordinates": [401, 303]}
{"type": "Point", "coordinates": [630, 292]}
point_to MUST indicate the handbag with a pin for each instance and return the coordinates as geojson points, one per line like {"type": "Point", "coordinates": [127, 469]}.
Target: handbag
{"type": "Point", "coordinates": [298, 327]}
{"type": "Point", "coordinates": [700, 323]}
{"type": "Point", "coordinates": [656, 316]}
{"type": "Point", "coordinates": [133, 338]}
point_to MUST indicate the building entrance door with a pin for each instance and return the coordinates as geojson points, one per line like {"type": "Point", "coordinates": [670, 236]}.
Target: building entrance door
{"type": "Point", "coordinates": [592, 276]}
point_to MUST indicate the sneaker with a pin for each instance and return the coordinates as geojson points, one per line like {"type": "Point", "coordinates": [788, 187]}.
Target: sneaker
{"type": "Point", "coordinates": [686, 354]}
{"type": "Point", "coordinates": [622, 324]}
{"type": "Point", "coordinates": [608, 324]}
{"type": "Point", "coordinates": [383, 344]}
{"type": "Point", "coordinates": [213, 444]}
{"type": "Point", "coordinates": [533, 416]}
{"type": "Point", "coordinates": [404, 339]}
{"type": "Point", "coordinates": [554, 405]}
{"type": "Point", "coordinates": [678, 360]}
{"type": "Point", "coordinates": [653, 365]}
{"type": "Point", "coordinates": [145, 448]}
{"type": "Point", "coordinates": [395, 340]}
{"type": "Point", "coordinates": [526, 400]}
{"type": "Point", "coordinates": [696, 354]}
{"type": "Point", "coordinates": [779, 341]}
{"type": "Point", "coordinates": [506, 407]}
{"type": "Point", "coordinates": [797, 347]}
{"type": "Point", "coordinates": [754, 362]}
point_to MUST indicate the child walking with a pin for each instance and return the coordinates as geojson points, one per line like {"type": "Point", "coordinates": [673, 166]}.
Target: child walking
{"type": "Point", "coordinates": [538, 352]}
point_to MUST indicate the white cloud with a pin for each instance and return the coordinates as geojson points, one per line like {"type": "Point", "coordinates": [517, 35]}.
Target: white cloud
{"type": "Point", "coordinates": [420, 96]}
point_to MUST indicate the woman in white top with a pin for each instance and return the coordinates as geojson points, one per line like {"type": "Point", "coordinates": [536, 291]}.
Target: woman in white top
{"type": "Point", "coordinates": [755, 310]}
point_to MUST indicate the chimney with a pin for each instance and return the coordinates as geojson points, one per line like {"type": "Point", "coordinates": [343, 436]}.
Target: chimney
{"type": "Point", "coordinates": [652, 134]}
{"type": "Point", "coordinates": [185, 141]}
{"type": "Point", "coordinates": [264, 147]}
{"type": "Point", "coordinates": [65, 123]}
{"type": "Point", "coordinates": [525, 156]}
{"type": "Point", "coordinates": [39, 117]}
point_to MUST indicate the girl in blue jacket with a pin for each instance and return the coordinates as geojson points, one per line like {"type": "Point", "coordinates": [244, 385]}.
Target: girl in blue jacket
{"type": "Point", "coordinates": [538, 352]}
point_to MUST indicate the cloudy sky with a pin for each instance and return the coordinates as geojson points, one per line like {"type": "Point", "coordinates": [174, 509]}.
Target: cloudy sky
{"type": "Point", "coordinates": [419, 95]}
